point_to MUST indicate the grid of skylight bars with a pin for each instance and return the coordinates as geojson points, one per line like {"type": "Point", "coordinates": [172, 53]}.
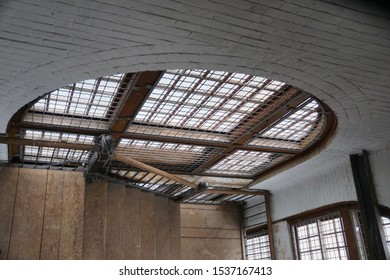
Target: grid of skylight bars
{"type": "Point", "coordinates": [151, 182]}
{"type": "Point", "coordinates": [292, 131]}
{"type": "Point", "coordinates": [55, 156]}
{"type": "Point", "coordinates": [167, 156]}
{"type": "Point", "coordinates": [257, 247]}
{"type": "Point", "coordinates": [246, 163]}
{"type": "Point", "coordinates": [215, 106]}
{"type": "Point", "coordinates": [88, 104]}
{"type": "Point", "coordinates": [199, 104]}
{"type": "Point", "coordinates": [321, 239]}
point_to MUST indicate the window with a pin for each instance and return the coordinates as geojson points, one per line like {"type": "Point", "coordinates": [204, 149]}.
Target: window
{"type": "Point", "coordinates": [360, 236]}
{"type": "Point", "coordinates": [386, 228]}
{"type": "Point", "coordinates": [257, 246]}
{"type": "Point", "coordinates": [321, 239]}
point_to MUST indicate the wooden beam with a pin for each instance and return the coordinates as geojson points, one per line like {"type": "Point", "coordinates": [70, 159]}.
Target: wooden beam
{"type": "Point", "coordinates": [44, 143]}
{"type": "Point", "coordinates": [153, 170]}
{"type": "Point", "coordinates": [365, 189]}
{"type": "Point", "coordinates": [237, 191]}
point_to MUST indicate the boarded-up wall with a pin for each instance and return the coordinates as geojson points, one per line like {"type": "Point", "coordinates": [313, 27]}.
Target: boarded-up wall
{"type": "Point", "coordinates": [124, 223]}
{"type": "Point", "coordinates": [210, 232]}
{"type": "Point", "coordinates": [41, 214]}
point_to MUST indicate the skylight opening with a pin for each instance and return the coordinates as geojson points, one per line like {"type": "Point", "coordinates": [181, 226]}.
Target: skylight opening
{"type": "Point", "coordinates": [90, 104]}
{"type": "Point", "coordinates": [58, 136]}
{"type": "Point", "coordinates": [168, 156]}
{"type": "Point", "coordinates": [246, 163]}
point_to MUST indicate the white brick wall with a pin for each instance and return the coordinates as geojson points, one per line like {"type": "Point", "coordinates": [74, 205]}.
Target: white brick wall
{"type": "Point", "coordinates": [336, 50]}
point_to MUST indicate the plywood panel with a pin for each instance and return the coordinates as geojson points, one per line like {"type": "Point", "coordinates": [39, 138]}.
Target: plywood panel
{"type": "Point", "coordinates": [174, 229]}
{"type": "Point", "coordinates": [210, 233]}
{"type": "Point", "coordinates": [148, 248]}
{"type": "Point", "coordinates": [132, 224]}
{"type": "Point", "coordinates": [72, 217]}
{"type": "Point", "coordinates": [202, 218]}
{"type": "Point", "coordinates": [95, 220]}
{"type": "Point", "coordinates": [8, 183]}
{"type": "Point", "coordinates": [162, 228]}
{"type": "Point", "coordinates": [27, 223]}
{"type": "Point", "coordinates": [114, 222]}
{"type": "Point", "coordinates": [52, 216]}
{"type": "Point", "coordinates": [211, 249]}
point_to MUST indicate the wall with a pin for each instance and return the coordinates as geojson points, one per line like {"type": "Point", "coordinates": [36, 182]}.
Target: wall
{"type": "Point", "coordinates": [41, 214]}
{"type": "Point", "coordinates": [379, 162]}
{"type": "Point", "coordinates": [125, 223]}
{"type": "Point", "coordinates": [210, 232]}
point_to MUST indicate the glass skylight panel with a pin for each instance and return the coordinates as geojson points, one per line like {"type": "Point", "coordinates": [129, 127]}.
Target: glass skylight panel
{"type": "Point", "coordinates": [48, 155]}
{"type": "Point", "coordinates": [189, 99]}
{"type": "Point", "coordinates": [166, 156]}
{"type": "Point", "coordinates": [90, 103]}
{"type": "Point", "coordinates": [246, 163]}
{"type": "Point", "coordinates": [58, 136]}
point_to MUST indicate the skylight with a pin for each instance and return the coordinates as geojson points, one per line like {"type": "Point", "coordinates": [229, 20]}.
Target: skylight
{"type": "Point", "coordinates": [188, 122]}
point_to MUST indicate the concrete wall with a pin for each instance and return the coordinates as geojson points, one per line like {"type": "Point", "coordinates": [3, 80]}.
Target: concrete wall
{"type": "Point", "coordinates": [210, 232]}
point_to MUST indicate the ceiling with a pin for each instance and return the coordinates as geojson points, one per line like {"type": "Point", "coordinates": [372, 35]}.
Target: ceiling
{"type": "Point", "coordinates": [198, 123]}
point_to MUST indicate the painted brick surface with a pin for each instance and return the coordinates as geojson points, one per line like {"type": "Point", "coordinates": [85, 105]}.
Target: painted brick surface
{"type": "Point", "coordinates": [336, 50]}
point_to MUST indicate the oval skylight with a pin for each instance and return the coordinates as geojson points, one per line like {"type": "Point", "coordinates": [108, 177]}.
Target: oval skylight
{"type": "Point", "coordinates": [192, 122]}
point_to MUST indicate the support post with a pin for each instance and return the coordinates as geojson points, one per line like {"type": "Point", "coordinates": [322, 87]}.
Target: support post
{"type": "Point", "coordinates": [368, 205]}
{"type": "Point", "coordinates": [269, 225]}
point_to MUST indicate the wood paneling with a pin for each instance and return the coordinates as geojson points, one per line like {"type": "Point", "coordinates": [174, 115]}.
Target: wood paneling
{"type": "Point", "coordinates": [114, 222]}
{"type": "Point", "coordinates": [52, 216]}
{"type": "Point", "coordinates": [27, 223]}
{"type": "Point", "coordinates": [210, 232]}
{"type": "Point", "coordinates": [95, 220]}
{"type": "Point", "coordinates": [8, 183]}
{"type": "Point", "coordinates": [162, 228]}
{"type": "Point", "coordinates": [71, 237]}
{"type": "Point", "coordinates": [132, 225]}
{"type": "Point", "coordinates": [148, 226]}
{"type": "Point", "coordinates": [174, 229]}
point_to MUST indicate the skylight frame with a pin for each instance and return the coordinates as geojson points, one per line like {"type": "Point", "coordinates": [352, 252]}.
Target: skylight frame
{"type": "Point", "coordinates": [88, 104]}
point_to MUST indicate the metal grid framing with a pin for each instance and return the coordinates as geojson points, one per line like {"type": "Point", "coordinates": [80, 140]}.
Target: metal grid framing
{"type": "Point", "coordinates": [246, 163]}
{"type": "Point", "coordinates": [359, 234]}
{"type": "Point", "coordinates": [88, 104]}
{"type": "Point", "coordinates": [321, 239]}
{"type": "Point", "coordinates": [386, 229]}
{"type": "Point", "coordinates": [55, 156]}
{"type": "Point", "coordinates": [57, 136]}
{"type": "Point", "coordinates": [151, 182]}
{"type": "Point", "coordinates": [257, 247]}
{"type": "Point", "coordinates": [199, 104]}
{"type": "Point", "coordinates": [167, 156]}
{"type": "Point", "coordinates": [291, 131]}
{"type": "Point", "coordinates": [227, 124]}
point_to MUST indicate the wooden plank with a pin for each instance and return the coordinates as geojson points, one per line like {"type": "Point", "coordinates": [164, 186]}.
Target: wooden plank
{"type": "Point", "coordinates": [52, 216]}
{"type": "Point", "coordinates": [27, 223]}
{"type": "Point", "coordinates": [8, 183]}
{"type": "Point", "coordinates": [114, 221]}
{"type": "Point", "coordinates": [72, 216]}
{"type": "Point", "coordinates": [210, 233]}
{"type": "Point", "coordinates": [148, 248]}
{"type": "Point", "coordinates": [162, 228]}
{"type": "Point", "coordinates": [132, 225]}
{"type": "Point", "coordinates": [175, 231]}
{"type": "Point", "coordinates": [95, 220]}
{"type": "Point", "coordinates": [153, 170]}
